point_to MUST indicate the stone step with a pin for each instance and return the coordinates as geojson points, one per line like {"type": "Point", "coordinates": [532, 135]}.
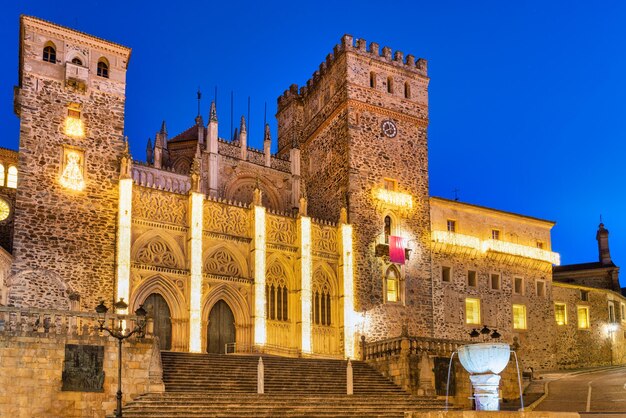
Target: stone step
{"type": "Point", "coordinates": [213, 385]}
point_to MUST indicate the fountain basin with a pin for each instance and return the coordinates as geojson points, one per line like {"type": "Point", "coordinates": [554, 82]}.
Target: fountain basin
{"type": "Point", "coordinates": [484, 357]}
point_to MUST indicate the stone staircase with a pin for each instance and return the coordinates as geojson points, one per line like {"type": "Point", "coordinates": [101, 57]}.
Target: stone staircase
{"type": "Point", "coordinates": [213, 385]}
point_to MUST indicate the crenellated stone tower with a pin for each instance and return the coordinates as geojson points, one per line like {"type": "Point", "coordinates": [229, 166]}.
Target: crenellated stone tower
{"type": "Point", "coordinates": [362, 124]}
{"type": "Point", "coordinates": [70, 101]}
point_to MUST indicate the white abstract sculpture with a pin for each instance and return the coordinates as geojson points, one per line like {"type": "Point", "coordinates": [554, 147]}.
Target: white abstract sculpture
{"type": "Point", "coordinates": [484, 362]}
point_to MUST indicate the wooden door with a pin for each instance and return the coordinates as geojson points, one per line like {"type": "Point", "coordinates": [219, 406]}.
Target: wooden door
{"type": "Point", "coordinates": [159, 311]}
{"type": "Point", "coordinates": [221, 328]}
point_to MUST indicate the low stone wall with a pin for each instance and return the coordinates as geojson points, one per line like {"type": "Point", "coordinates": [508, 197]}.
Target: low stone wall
{"type": "Point", "coordinates": [31, 366]}
{"type": "Point", "coordinates": [410, 363]}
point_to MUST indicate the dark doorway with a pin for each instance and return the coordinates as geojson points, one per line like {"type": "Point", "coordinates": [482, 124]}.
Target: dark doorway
{"type": "Point", "coordinates": [159, 311]}
{"type": "Point", "coordinates": [441, 376]}
{"type": "Point", "coordinates": [221, 328]}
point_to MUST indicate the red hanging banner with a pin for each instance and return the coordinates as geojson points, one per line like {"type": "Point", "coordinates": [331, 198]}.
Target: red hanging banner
{"type": "Point", "coordinates": [396, 249]}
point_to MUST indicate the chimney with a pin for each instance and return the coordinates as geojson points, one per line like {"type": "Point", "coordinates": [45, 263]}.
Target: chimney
{"type": "Point", "coordinates": [604, 255]}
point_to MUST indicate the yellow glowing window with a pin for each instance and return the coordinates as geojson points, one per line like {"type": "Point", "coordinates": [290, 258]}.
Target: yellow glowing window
{"type": "Point", "coordinates": [391, 283]}
{"type": "Point", "coordinates": [560, 313]}
{"type": "Point", "coordinates": [519, 316]}
{"type": "Point", "coordinates": [12, 177]}
{"type": "Point", "coordinates": [472, 311]}
{"type": "Point", "coordinates": [1, 175]}
{"type": "Point", "coordinates": [74, 124]}
{"type": "Point", "coordinates": [583, 317]}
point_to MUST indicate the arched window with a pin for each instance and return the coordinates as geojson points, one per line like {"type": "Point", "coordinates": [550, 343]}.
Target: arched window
{"type": "Point", "coordinates": [103, 68]}
{"type": "Point", "coordinates": [392, 285]}
{"type": "Point", "coordinates": [389, 85]}
{"type": "Point", "coordinates": [50, 53]}
{"type": "Point", "coordinates": [276, 294]}
{"type": "Point", "coordinates": [387, 228]}
{"type": "Point", "coordinates": [77, 61]}
{"type": "Point", "coordinates": [321, 300]}
{"type": "Point", "coordinates": [372, 80]}
{"type": "Point", "coordinates": [12, 177]}
{"type": "Point", "coordinates": [407, 90]}
{"type": "Point", "coordinates": [1, 175]}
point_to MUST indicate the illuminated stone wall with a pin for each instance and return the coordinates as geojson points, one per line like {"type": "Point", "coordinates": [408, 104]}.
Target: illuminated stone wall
{"type": "Point", "coordinates": [537, 347]}
{"type": "Point", "coordinates": [345, 157]}
{"type": "Point", "coordinates": [64, 239]}
{"type": "Point", "coordinates": [576, 347]}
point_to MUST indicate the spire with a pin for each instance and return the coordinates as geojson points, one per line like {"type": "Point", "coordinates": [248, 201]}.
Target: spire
{"type": "Point", "coordinates": [126, 162]}
{"type": "Point", "coordinates": [242, 125]}
{"type": "Point", "coordinates": [268, 135]}
{"type": "Point", "coordinates": [194, 172]}
{"type": "Point", "coordinates": [149, 152]}
{"type": "Point", "coordinates": [213, 113]}
{"type": "Point", "coordinates": [604, 255]}
{"type": "Point", "coordinates": [163, 128]}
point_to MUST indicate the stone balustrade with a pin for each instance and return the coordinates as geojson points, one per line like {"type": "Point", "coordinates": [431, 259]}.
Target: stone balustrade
{"type": "Point", "coordinates": [410, 345]}
{"type": "Point", "coordinates": [33, 321]}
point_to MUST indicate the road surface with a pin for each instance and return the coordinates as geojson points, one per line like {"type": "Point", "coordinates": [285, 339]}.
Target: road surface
{"type": "Point", "coordinates": [594, 392]}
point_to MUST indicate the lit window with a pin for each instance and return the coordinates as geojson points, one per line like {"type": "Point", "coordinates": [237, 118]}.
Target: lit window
{"type": "Point", "coordinates": [541, 288]}
{"type": "Point", "coordinates": [472, 311]}
{"type": "Point", "coordinates": [584, 295]}
{"type": "Point", "coordinates": [373, 80]}
{"type": "Point", "coordinates": [12, 177]}
{"type": "Point", "coordinates": [445, 274]}
{"type": "Point", "coordinates": [77, 61]}
{"type": "Point", "coordinates": [390, 184]}
{"type": "Point", "coordinates": [583, 317]}
{"type": "Point", "coordinates": [389, 85]}
{"type": "Point", "coordinates": [50, 53]}
{"type": "Point", "coordinates": [495, 281]}
{"type": "Point", "coordinates": [392, 285]}
{"type": "Point", "coordinates": [1, 175]}
{"type": "Point", "coordinates": [103, 68]}
{"type": "Point", "coordinates": [471, 278]}
{"type": "Point", "coordinates": [495, 234]}
{"type": "Point", "coordinates": [611, 312]}
{"type": "Point", "coordinates": [518, 287]}
{"type": "Point", "coordinates": [540, 245]}
{"type": "Point", "coordinates": [320, 301]}
{"type": "Point", "coordinates": [451, 225]}
{"type": "Point", "coordinates": [276, 300]}
{"type": "Point", "coordinates": [519, 316]}
{"type": "Point", "coordinates": [560, 313]}
{"type": "Point", "coordinates": [407, 90]}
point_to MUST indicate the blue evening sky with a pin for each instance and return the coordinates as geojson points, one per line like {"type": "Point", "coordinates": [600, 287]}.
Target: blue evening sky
{"type": "Point", "coordinates": [527, 99]}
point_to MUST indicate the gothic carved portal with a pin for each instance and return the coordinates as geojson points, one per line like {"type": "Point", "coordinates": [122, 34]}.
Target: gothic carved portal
{"type": "Point", "coordinates": [221, 329]}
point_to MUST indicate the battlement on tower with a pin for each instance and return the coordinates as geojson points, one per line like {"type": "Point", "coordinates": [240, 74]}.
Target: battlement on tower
{"type": "Point", "coordinates": [359, 46]}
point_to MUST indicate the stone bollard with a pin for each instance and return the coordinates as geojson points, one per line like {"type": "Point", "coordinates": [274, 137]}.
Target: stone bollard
{"type": "Point", "coordinates": [260, 383]}
{"type": "Point", "coordinates": [349, 382]}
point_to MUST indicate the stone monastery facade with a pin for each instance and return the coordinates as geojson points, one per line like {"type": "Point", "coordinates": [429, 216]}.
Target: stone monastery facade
{"type": "Point", "coordinates": [231, 248]}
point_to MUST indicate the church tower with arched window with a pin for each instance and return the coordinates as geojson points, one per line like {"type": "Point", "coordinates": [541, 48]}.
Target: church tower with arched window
{"type": "Point", "coordinates": [70, 101]}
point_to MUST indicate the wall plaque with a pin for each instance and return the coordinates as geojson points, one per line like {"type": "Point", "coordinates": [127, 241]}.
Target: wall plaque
{"type": "Point", "coordinates": [83, 368]}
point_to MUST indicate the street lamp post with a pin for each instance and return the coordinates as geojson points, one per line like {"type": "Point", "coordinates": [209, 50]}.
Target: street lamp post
{"type": "Point", "coordinates": [120, 334]}
{"type": "Point", "coordinates": [612, 328]}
